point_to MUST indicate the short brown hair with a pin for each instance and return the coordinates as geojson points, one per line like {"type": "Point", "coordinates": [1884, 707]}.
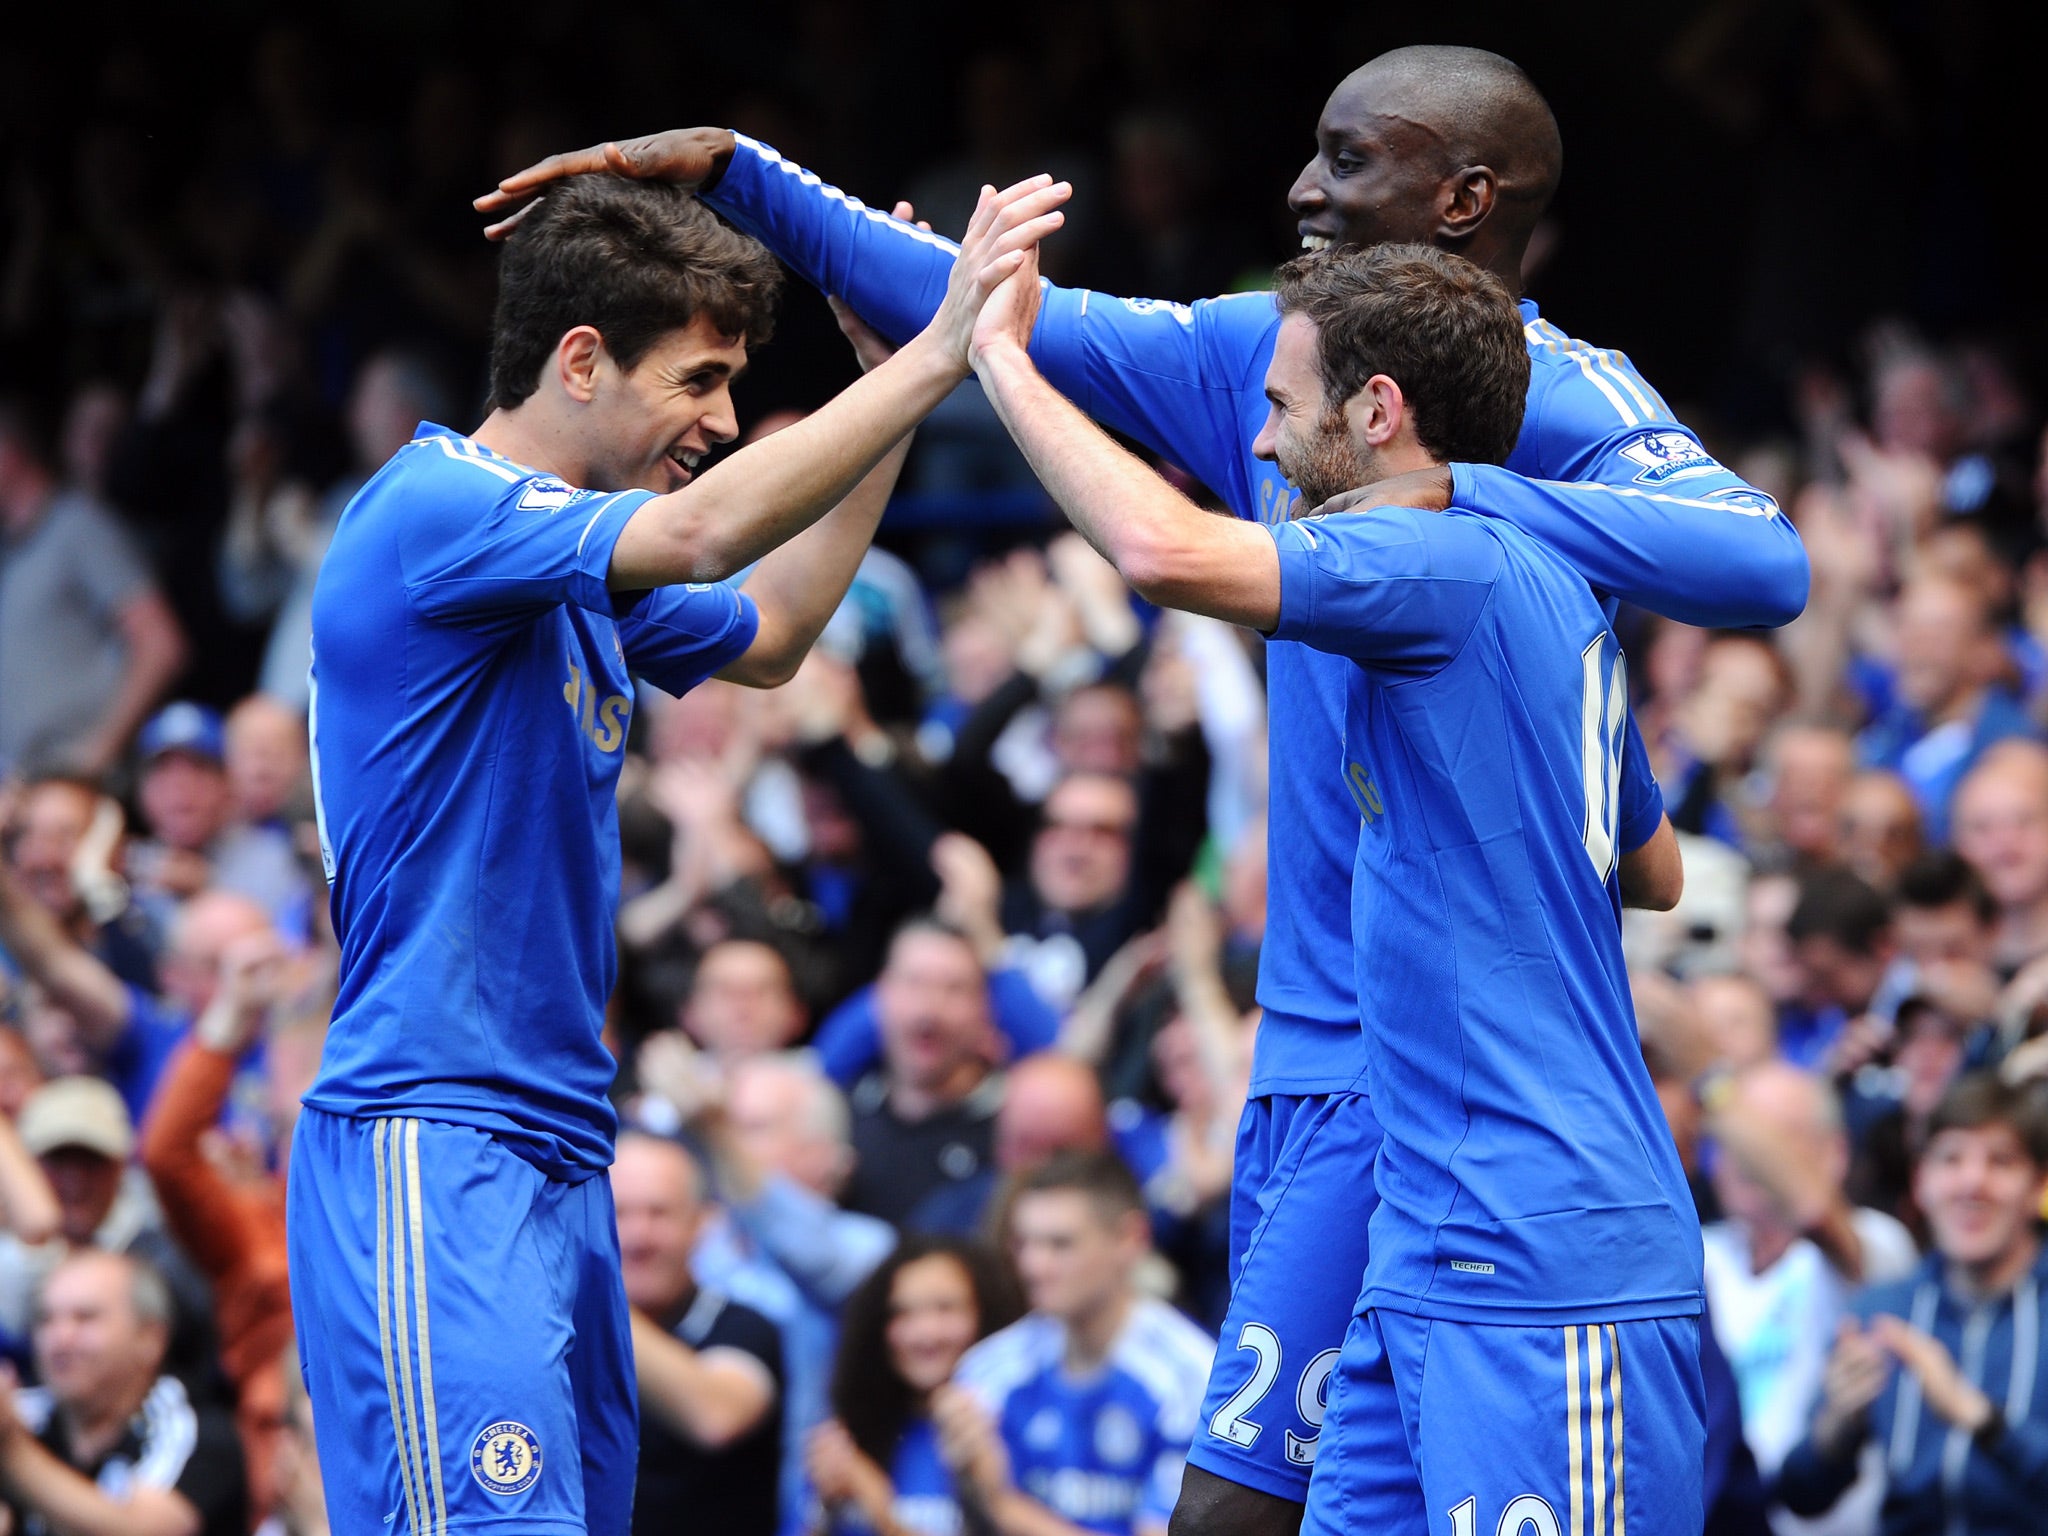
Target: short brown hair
{"type": "Point", "coordinates": [1978, 1099]}
{"type": "Point", "coordinates": [1447, 331]}
{"type": "Point", "coordinates": [1103, 1177]}
{"type": "Point", "coordinates": [637, 260]}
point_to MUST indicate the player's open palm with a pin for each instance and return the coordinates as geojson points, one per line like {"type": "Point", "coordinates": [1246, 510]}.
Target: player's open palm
{"type": "Point", "coordinates": [1001, 240]}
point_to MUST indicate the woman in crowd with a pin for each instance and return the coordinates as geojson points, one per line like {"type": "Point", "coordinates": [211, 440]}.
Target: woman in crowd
{"type": "Point", "coordinates": [876, 1462]}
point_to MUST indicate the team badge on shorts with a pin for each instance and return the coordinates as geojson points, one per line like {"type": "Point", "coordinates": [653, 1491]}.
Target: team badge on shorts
{"type": "Point", "coordinates": [505, 1458]}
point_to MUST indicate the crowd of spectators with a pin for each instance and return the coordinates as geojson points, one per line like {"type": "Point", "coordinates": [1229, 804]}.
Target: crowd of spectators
{"type": "Point", "coordinates": [935, 1008]}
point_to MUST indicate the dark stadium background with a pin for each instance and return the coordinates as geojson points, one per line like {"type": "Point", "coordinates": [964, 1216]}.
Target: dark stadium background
{"type": "Point", "coordinates": [1721, 228]}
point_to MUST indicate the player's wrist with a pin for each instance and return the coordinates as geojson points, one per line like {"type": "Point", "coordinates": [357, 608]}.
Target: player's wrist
{"type": "Point", "coordinates": [996, 359]}
{"type": "Point", "coordinates": [719, 146]}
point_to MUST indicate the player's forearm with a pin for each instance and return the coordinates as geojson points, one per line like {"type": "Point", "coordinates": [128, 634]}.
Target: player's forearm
{"type": "Point", "coordinates": [1717, 563]}
{"type": "Point", "coordinates": [798, 587]}
{"type": "Point", "coordinates": [892, 274]}
{"type": "Point", "coordinates": [770, 491]}
{"type": "Point", "coordinates": [1168, 549]}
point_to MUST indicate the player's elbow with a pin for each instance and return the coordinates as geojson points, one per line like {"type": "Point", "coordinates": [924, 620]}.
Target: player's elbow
{"type": "Point", "coordinates": [1654, 885]}
{"type": "Point", "coordinates": [1653, 876]}
{"type": "Point", "coordinates": [769, 662]}
{"type": "Point", "coordinates": [1785, 580]}
{"type": "Point", "coordinates": [1663, 894]}
{"type": "Point", "coordinates": [1155, 564]}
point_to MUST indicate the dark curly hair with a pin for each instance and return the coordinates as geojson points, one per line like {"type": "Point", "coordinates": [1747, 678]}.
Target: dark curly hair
{"type": "Point", "coordinates": [1447, 331]}
{"type": "Point", "coordinates": [637, 260]}
{"type": "Point", "coordinates": [868, 1396]}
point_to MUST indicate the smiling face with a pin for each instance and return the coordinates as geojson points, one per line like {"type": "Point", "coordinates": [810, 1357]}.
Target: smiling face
{"type": "Point", "coordinates": [933, 1318]}
{"type": "Point", "coordinates": [1309, 441]}
{"type": "Point", "coordinates": [1980, 1191]}
{"type": "Point", "coordinates": [645, 427]}
{"type": "Point", "coordinates": [1378, 173]}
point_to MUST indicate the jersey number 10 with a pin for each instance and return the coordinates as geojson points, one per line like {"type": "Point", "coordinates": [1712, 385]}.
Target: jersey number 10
{"type": "Point", "coordinates": [1603, 724]}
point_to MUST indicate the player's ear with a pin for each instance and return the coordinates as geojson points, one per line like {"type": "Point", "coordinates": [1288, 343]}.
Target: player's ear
{"type": "Point", "coordinates": [1377, 412]}
{"type": "Point", "coordinates": [578, 357]}
{"type": "Point", "coordinates": [1468, 197]}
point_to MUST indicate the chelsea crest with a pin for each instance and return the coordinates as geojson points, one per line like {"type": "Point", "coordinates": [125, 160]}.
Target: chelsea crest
{"type": "Point", "coordinates": [505, 1458]}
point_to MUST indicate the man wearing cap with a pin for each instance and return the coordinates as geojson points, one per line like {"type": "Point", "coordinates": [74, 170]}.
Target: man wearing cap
{"type": "Point", "coordinates": [195, 843]}
{"type": "Point", "coordinates": [106, 1443]}
{"type": "Point", "coordinates": [78, 1129]}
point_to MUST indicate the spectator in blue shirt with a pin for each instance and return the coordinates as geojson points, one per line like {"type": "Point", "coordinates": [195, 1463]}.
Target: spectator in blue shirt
{"type": "Point", "coordinates": [1943, 1370]}
{"type": "Point", "coordinates": [1951, 700]}
{"type": "Point", "coordinates": [1083, 1411]}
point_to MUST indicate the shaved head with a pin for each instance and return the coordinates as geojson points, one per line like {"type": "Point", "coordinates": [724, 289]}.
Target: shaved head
{"type": "Point", "coordinates": [1451, 147]}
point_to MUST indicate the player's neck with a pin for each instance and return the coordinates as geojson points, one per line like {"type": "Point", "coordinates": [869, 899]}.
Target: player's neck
{"type": "Point", "coordinates": [1093, 1334]}
{"type": "Point", "coordinates": [528, 435]}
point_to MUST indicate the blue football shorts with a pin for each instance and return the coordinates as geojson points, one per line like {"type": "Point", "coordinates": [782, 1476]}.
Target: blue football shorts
{"type": "Point", "coordinates": [1301, 1196]}
{"type": "Point", "coordinates": [1442, 1428]}
{"type": "Point", "coordinates": [463, 1331]}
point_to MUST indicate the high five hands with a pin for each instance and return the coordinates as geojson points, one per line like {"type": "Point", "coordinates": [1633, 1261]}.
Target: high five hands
{"type": "Point", "coordinates": [1000, 243]}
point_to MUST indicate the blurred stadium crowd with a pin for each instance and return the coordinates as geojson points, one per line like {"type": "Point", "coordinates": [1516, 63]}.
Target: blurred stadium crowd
{"type": "Point", "coordinates": [984, 886]}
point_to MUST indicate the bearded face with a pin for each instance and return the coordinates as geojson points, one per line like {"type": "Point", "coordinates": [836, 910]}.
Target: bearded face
{"type": "Point", "coordinates": [1324, 462]}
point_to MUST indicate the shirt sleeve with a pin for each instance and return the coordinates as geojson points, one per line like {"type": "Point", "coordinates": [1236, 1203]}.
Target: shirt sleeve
{"type": "Point", "coordinates": [109, 567]}
{"type": "Point", "coordinates": [485, 545]}
{"type": "Point", "coordinates": [1642, 800]}
{"type": "Point", "coordinates": [849, 1041]}
{"type": "Point", "coordinates": [675, 637]}
{"type": "Point", "coordinates": [743, 1329]}
{"type": "Point", "coordinates": [1169, 375]}
{"type": "Point", "coordinates": [1393, 588]}
{"type": "Point", "coordinates": [1647, 515]}
{"type": "Point", "coordinates": [213, 1479]}
{"type": "Point", "coordinates": [825, 1250]}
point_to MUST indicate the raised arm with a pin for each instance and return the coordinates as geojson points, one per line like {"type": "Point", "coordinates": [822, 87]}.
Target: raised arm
{"type": "Point", "coordinates": [74, 977]}
{"type": "Point", "coordinates": [1168, 549]}
{"type": "Point", "coordinates": [798, 587]}
{"type": "Point", "coordinates": [771, 491]}
{"type": "Point", "coordinates": [1169, 375]}
{"type": "Point", "coordinates": [1635, 502]}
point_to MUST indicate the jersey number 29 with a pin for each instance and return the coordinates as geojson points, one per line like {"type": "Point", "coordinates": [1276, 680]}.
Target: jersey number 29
{"type": "Point", "coordinates": [1603, 724]}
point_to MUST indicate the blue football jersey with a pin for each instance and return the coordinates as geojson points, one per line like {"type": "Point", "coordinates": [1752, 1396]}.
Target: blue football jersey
{"type": "Point", "coordinates": [925, 1503]}
{"type": "Point", "coordinates": [1105, 1451]}
{"type": "Point", "coordinates": [1188, 381]}
{"type": "Point", "coordinates": [1527, 1174]}
{"type": "Point", "coordinates": [472, 689]}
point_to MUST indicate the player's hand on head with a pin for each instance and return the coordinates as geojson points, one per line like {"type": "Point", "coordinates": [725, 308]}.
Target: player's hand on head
{"type": "Point", "coordinates": [686, 157]}
{"type": "Point", "coordinates": [1427, 490]}
{"type": "Point", "coordinates": [999, 243]}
